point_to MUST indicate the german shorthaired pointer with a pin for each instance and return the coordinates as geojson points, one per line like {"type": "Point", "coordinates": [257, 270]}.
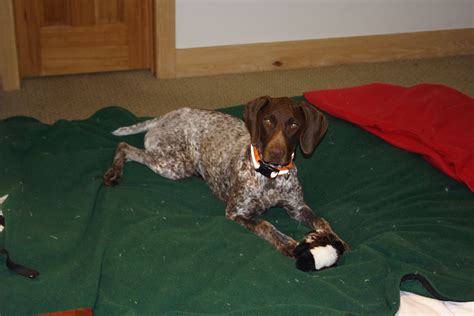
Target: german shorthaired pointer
{"type": "Point", "coordinates": [251, 172]}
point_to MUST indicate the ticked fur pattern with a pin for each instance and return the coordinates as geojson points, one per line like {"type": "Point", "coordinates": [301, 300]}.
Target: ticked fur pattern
{"type": "Point", "coordinates": [216, 146]}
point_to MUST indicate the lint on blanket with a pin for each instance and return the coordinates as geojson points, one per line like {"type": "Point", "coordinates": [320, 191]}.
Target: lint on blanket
{"type": "Point", "coordinates": [15, 267]}
{"type": "Point", "coordinates": [432, 120]}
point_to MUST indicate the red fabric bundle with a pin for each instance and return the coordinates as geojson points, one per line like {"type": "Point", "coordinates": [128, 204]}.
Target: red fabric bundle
{"type": "Point", "coordinates": [432, 120]}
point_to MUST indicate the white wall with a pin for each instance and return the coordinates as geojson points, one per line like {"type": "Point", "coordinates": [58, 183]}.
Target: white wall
{"type": "Point", "coordinates": [202, 23]}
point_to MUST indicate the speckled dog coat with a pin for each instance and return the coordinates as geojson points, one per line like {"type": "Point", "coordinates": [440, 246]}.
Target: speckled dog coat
{"type": "Point", "coordinates": [216, 146]}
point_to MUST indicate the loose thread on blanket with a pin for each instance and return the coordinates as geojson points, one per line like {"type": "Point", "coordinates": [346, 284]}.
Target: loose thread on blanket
{"type": "Point", "coordinates": [18, 268]}
{"type": "Point", "coordinates": [15, 267]}
{"type": "Point", "coordinates": [426, 284]}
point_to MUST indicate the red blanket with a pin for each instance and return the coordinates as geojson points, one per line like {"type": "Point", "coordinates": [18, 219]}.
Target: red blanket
{"type": "Point", "coordinates": [432, 120]}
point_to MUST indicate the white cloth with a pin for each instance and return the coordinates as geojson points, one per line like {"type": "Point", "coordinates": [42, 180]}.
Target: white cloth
{"type": "Point", "coordinates": [413, 305]}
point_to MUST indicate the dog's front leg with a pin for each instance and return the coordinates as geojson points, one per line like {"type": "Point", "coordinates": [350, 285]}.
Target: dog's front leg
{"type": "Point", "coordinates": [265, 230]}
{"type": "Point", "coordinates": [303, 213]}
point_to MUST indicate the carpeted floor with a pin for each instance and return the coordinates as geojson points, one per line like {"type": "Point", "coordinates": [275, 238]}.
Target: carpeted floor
{"type": "Point", "coordinates": [79, 96]}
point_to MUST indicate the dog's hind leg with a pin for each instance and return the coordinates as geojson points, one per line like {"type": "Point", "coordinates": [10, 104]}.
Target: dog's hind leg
{"type": "Point", "coordinates": [163, 161]}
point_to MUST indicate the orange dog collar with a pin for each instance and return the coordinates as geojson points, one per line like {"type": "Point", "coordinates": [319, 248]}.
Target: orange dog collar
{"type": "Point", "coordinates": [267, 169]}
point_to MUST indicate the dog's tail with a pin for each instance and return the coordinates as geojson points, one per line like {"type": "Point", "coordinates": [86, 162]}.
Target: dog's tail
{"type": "Point", "coordinates": [136, 128]}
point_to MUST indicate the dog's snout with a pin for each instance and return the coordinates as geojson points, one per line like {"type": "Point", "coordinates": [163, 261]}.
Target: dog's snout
{"type": "Point", "coordinates": [276, 153]}
{"type": "Point", "coordinates": [276, 150]}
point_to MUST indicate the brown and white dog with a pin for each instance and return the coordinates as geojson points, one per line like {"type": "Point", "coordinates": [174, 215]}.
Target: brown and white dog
{"type": "Point", "coordinates": [249, 165]}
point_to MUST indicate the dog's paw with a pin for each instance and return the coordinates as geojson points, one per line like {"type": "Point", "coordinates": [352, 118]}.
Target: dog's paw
{"type": "Point", "coordinates": [112, 176]}
{"type": "Point", "coordinates": [318, 250]}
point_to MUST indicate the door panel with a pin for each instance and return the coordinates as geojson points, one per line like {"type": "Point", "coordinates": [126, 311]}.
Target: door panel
{"type": "Point", "coordinates": [109, 11]}
{"type": "Point", "coordinates": [54, 12]}
{"type": "Point", "coordinates": [78, 36]}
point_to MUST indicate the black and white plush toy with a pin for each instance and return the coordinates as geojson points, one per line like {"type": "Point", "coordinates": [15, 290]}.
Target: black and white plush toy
{"type": "Point", "coordinates": [318, 250]}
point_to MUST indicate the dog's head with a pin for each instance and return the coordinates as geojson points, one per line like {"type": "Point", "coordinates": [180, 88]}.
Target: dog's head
{"type": "Point", "coordinates": [277, 125]}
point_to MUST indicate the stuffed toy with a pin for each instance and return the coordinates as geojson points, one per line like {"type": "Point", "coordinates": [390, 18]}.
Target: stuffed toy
{"type": "Point", "coordinates": [318, 250]}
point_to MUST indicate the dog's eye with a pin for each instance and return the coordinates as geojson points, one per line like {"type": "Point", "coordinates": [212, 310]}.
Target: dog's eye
{"type": "Point", "coordinates": [268, 122]}
{"type": "Point", "coordinates": [294, 125]}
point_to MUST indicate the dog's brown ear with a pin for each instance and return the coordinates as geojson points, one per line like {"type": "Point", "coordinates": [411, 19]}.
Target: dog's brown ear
{"type": "Point", "coordinates": [250, 116]}
{"type": "Point", "coordinates": [315, 128]}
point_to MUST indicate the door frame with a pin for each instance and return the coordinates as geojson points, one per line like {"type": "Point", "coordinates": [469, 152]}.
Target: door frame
{"type": "Point", "coordinates": [164, 40]}
{"type": "Point", "coordinates": [9, 72]}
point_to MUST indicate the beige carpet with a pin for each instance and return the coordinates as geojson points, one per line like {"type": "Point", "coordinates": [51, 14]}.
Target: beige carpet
{"type": "Point", "coordinates": [79, 96]}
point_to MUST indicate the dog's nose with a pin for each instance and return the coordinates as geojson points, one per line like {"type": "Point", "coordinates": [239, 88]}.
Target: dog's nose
{"type": "Point", "coordinates": [276, 156]}
{"type": "Point", "coordinates": [276, 153]}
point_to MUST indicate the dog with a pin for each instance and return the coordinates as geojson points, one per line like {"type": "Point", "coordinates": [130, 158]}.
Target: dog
{"type": "Point", "coordinates": [247, 164]}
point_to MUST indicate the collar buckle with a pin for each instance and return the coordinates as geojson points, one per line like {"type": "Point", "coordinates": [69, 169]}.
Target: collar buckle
{"type": "Point", "coordinates": [268, 171]}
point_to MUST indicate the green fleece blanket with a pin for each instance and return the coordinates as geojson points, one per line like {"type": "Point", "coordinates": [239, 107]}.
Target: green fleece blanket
{"type": "Point", "coordinates": [152, 246]}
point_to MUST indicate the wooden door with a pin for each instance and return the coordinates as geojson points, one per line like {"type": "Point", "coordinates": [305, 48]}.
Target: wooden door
{"type": "Point", "coordinates": [78, 36]}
